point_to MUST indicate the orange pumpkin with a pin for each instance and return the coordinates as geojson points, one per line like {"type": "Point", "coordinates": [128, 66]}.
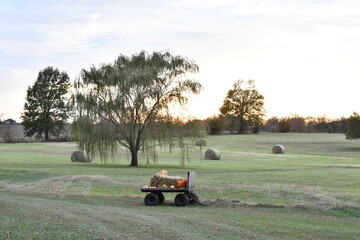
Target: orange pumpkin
{"type": "Point", "coordinates": [182, 183]}
{"type": "Point", "coordinates": [163, 172]}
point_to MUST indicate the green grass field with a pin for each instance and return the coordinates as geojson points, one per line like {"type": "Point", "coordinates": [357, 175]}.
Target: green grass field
{"type": "Point", "coordinates": [310, 192]}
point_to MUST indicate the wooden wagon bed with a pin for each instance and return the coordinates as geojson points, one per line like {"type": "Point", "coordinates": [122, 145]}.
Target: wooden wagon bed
{"type": "Point", "coordinates": [186, 195]}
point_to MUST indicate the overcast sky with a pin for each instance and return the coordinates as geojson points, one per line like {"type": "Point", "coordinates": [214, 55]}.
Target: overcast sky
{"type": "Point", "coordinates": [303, 55]}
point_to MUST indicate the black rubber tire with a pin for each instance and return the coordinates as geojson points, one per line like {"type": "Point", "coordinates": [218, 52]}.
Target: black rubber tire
{"type": "Point", "coordinates": [193, 198]}
{"type": "Point", "coordinates": [151, 199]}
{"type": "Point", "coordinates": [181, 200]}
{"type": "Point", "coordinates": [161, 197]}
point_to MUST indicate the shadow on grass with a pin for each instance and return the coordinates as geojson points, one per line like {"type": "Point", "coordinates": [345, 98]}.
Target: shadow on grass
{"type": "Point", "coordinates": [349, 149]}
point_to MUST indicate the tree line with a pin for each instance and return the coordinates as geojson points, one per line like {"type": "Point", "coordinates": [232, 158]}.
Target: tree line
{"type": "Point", "coordinates": [294, 123]}
{"type": "Point", "coordinates": [125, 104]}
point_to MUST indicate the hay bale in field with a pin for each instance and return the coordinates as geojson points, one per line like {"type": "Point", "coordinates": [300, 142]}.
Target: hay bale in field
{"type": "Point", "coordinates": [80, 156]}
{"type": "Point", "coordinates": [212, 154]}
{"type": "Point", "coordinates": [159, 180]}
{"type": "Point", "coordinates": [201, 143]}
{"type": "Point", "coordinates": [278, 149]}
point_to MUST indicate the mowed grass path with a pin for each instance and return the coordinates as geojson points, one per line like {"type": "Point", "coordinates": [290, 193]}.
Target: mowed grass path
{"type": "Point", "coordinates": [310, 192]}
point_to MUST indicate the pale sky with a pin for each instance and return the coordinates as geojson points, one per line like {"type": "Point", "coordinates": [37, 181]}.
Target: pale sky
{"type": "Point", "coordinates": [303, 55]}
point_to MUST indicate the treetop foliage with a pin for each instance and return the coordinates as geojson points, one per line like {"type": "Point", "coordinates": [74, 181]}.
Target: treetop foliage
{"type": "Point", "coordinates": [353, 131]}
{"type": "Point", "coordinates": [45, 109]}
{"type": "Point", "coordinates": [245, 103]}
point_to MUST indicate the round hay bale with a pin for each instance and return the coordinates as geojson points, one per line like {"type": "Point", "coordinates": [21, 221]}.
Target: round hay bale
{"type": "Point", "coordinates": [212, 154]}
{"type": "Point", "coordinates": [278, 149]}
{"type": "Point", "coordinates": [80, 156]}
{"type": "Point", "coordinates": [201, 143]}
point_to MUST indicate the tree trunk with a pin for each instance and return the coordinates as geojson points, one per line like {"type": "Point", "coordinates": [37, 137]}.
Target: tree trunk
{"type": "Point", "coordinates": [241, 126]}
{"type": "Point", "coordinates": [46, 135]}
{"type": "Point", "coordinates": [241, 130]}
{"type": "Point", "coordinates": [134, 158]}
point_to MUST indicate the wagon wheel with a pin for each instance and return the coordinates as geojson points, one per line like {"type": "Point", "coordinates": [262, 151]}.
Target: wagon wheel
{"type": "Point", "coordinates": [151, 199]}
{"type": "Point", "coordinates": [181, 200]}
{"type": "Point", "coordinates": [161, 197]}
{"type": "Point", "coordinates": [193, 197]}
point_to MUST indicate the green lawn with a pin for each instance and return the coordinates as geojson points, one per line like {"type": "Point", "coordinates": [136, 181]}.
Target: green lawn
{"type": "Point", "coordinates": [310, 192]}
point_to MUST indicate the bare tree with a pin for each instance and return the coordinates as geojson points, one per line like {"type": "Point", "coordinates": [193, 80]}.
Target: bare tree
{"type": "Point", "coordinates": [296, 123]}
{"type": "Point", "coordinates": [10, 132]}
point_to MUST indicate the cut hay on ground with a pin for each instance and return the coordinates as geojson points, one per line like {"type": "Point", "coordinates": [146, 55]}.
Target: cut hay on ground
{"type": "Point", "coordinates": [212, 154]}
{"type": "Point", "coordinates": [60, 185]}
{"type": "Point", "coordinates": [278, 149]}
{"type": "Point", "coordinates": [159, 180]}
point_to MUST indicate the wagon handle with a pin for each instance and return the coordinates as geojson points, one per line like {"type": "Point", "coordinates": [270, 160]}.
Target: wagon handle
{"type": "Point", "coordinates": [191, 181]}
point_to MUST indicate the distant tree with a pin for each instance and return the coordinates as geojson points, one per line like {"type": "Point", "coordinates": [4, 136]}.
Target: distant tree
{"type": "Point", "coordinates": [341, 125]}
{"type": "Point", "coordinates": [195, 128]}
{"type": "Point", "coordinates": [256, 127]}
{"type": "Point", "coordinates": [322, 124]}
{"type": "Point", "coordinates": [353, 131]}
{"type": "Point", "coordinates": [118, 103]}
{"type": "Point", "coordinates": [284, 126]}
{"type": "Point", "coordinates": [231, 123]}
{"type": "Point", "coordinates": [272, 125]}
{"type": "Point", "coordinates": [310, 124]}
{"type": "Point", "coordinates": [45, 108]}
{"type": "Point", "coordinates": [9, 131]}
{"type": "Point", "coordinates": [215, 124]}
{"type": "Point", "coordinates": [296, 123]}
{"type": "Point", "coordinates": [245, 103]}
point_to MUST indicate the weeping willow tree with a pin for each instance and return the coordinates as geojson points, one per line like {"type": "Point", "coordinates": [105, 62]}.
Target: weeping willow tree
{"type": "Point", "coordinates": [116, 104]}
{"type": "Point", "coordinates": [177, 136]}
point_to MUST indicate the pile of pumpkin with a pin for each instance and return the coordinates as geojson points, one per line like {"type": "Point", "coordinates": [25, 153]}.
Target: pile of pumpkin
{"type": "Point", "coordinates": [163, 180]}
